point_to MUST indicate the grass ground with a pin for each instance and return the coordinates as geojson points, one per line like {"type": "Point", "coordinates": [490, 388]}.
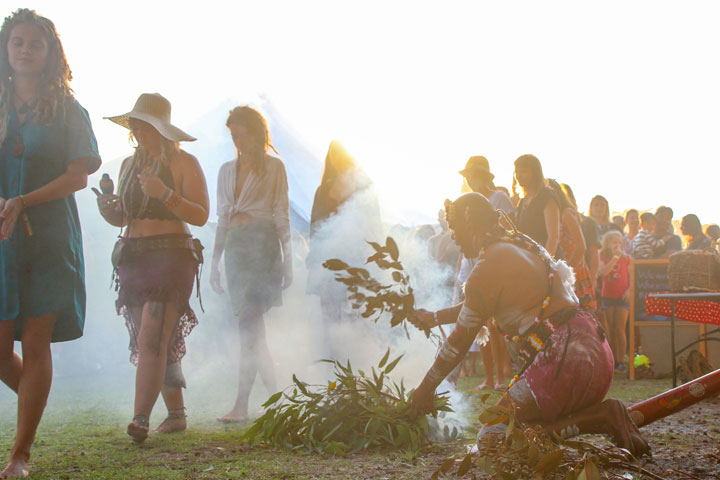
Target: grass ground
{"type": "Point", "coordinates": [82, 436]}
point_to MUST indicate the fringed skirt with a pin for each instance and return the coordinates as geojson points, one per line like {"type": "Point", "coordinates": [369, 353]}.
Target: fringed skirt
{"type": "Point", "coordinates": [164, 276]}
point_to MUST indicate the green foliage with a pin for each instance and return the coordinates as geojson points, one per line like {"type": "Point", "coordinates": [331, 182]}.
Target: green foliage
{"type": "Point", "coordinates": [374, 297]}
{"type": "Point", "coordinates": [351, 413]}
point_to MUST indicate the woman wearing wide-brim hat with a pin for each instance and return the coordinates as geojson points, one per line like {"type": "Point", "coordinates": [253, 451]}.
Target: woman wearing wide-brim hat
{"type": "Point", "coordinates": [161, 189]}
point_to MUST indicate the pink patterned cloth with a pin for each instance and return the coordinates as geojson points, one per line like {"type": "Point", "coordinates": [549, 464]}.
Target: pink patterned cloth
{"type": "Point", "coordinates": [698, 311]}
{"type": "Point", "coordinates": [582, 378]}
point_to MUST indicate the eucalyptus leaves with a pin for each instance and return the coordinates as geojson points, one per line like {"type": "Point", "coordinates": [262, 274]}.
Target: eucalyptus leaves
{"type": "Point", "coordinates": [353, 412]}
{"type": "Point", "coordinates": [529, 452]}
{"type": "Point", "coordinates": [374, 296]}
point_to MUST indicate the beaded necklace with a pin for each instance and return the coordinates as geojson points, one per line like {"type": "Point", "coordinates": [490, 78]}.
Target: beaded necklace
{"type": "Point", "coordinates": [534, 339]}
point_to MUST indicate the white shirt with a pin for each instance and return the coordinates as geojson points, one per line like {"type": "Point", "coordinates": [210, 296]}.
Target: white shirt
{"type": "Point", "coordinates": [263, 196]}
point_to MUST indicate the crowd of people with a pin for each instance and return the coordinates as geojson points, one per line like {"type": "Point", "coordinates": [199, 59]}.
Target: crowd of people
{"type": "Point", "coordinates": [596, 247]}
{"type": "Point", "coordinates": [48, 149]}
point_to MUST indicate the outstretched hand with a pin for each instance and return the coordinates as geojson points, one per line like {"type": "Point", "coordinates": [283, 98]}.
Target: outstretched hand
{"type": "Point", "coordinates": [422, 319]}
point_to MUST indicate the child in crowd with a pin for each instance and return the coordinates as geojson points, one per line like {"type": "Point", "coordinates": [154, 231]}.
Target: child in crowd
{"type": "Point", "coordinates": [615, 293]}
{"type": "Point", "coordinates": [645, 243]}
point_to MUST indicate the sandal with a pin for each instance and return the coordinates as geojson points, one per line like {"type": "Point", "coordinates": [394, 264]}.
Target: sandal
{"type": "Point", "coordinates": [138, 428]}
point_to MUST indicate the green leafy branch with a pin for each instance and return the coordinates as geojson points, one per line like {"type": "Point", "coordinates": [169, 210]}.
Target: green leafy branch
{"type": "Point", "coordinates": [377, 298]}
{"type": "Point", "coordinates": [351, 413]}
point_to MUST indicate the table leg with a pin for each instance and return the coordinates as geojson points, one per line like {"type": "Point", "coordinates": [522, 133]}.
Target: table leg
{"type": "Point", "coordinates": [672, 341]}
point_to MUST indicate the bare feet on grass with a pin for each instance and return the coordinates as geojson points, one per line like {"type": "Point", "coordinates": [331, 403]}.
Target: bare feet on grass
{"type": "Point", "coordinates": [138, 429]}
{"type": "Point", "coordinates": [15, 469]}
{"type": "Point", "coordinates": [233, 416]}
{"type": "Point", "coordinates": [172, 425]}
{"type": "Point", "coordinates": [485, 385]}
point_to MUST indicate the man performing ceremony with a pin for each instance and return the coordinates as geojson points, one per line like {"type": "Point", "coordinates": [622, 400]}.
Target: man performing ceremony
{"type": "Point", "coordinates": [564, 361]}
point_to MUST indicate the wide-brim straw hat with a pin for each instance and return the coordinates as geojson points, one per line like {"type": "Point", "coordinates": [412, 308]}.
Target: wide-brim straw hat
{"type": "Point", "coordinates": [154, 109]}
{"type": "Point", "coordinates": [477, 164]}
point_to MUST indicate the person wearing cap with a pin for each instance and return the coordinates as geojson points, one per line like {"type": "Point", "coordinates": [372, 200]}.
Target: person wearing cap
{"type": "Point", "coordinates": [161, 190]}
{"type": "Point", "coordinates": [564, 362]}
{"type": "Point", "coordinates": [253, 233]}
{"type": "Point", "coordinates": [47, 150]}
{"type": "Point", "coordinates": [494, 353]}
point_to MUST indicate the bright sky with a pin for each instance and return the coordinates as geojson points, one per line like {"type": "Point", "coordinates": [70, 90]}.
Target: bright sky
{"type": "Point", "coordinates": [617, 98]}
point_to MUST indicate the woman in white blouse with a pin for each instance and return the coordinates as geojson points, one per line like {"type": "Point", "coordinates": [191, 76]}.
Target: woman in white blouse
{"type": "Point", "coordinates": [254, 232]}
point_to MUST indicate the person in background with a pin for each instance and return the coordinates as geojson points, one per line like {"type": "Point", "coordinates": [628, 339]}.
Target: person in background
{"type": "Point", "coordinates": [538, 213]}
{"type": "Point", "coordinates": [345, 214]}
{"type": "Point", "coordinates": [47, 151]}
{"type": "Point", "coordinates": [590, 234]}
{"type": "Point", "coordinates": [646, 244]}
{"type": "Point", "coordinates": [161, 190]}
{"type": "Point", "coordinates": [632, 220]}
{"type": "Point", "coordinates": [664, 230]}
{"type": "Point", "coordinates": [572, 247]}
{"type": "Point", "coordinates": [615, 298]}
{"type": "Point", "coordinates": [446, 254]}
{"type": "Point", "coordinates": [619, 220]}
{"type": "Point", "coordinates": [254, 233]}
{"type": "Point", "coordinates": [494, 352]}
{"type": "Point", "coordinates": [691, 227]}
{"type": "Point", "coordinates": [713, 231]}
{"type": "Point", "coordinates": [600, 212]}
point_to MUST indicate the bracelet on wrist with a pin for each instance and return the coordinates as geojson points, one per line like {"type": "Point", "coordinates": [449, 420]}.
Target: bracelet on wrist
{"type": "Point", "coordinates": [23, 200]}
{"type": "Point", "coordinates": [166, 194]}
{"type": "Point", "coordinates": [173, 200]}
{"type": "Point", "coordinates": [437, 320]}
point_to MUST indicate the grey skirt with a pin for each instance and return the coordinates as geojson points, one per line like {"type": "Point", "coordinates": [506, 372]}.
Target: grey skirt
{"type": "Point", "coordinates": [253, 266]}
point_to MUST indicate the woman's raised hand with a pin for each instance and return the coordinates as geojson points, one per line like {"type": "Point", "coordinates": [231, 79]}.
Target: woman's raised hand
{"type": "Point", "coordinates": [152, 186]}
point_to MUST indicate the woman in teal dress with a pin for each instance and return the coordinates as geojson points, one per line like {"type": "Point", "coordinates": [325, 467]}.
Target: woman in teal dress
{"type": "Point", "coordinates": [47, 150]}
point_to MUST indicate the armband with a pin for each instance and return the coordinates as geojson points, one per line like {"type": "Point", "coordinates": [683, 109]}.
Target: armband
{"type": "Point", "coordinates": [448, 352]}
{"type": "Point", "coordinates": [469, 318]}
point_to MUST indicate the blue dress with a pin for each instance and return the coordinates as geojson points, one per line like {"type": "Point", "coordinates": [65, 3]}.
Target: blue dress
{"type": "Point", "coordinates": [43, 272]}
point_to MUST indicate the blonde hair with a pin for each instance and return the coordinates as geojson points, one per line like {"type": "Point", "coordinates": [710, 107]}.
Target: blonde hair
{"type": "Point", "coordinates": [606, 250]}
{"type": "Point", "coordinates": [141, 161]}
{"type": "Point", "coordinates": [54, 86]}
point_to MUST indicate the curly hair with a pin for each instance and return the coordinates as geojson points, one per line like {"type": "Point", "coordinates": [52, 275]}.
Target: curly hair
{"type": "Point", "coordinates": [54, 86]}
{"type": "Point", "coordinates": [257, 129]}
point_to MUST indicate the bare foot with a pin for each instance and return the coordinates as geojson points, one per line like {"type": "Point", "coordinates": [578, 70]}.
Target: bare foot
{"type": "Point", "coordinates": [137, 431]}
{"type": "Point", "coordinates": [171, 425]}
{"type": "Point", "coordinates": [622, 429]}
{"type": "Point", "coordinates": [484, 385]}
{"type": "Point", "coordinates": [15, 469]}
{"type": "Point", "coordinates": [233, 416]}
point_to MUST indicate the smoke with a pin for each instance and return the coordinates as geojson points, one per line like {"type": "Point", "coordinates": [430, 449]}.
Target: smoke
{"type": "Point", "coordinates": [297, 333]}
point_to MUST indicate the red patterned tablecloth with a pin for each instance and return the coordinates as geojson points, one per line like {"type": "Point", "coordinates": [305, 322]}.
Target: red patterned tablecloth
{"type": "Point", "coordinates": [699, 311]}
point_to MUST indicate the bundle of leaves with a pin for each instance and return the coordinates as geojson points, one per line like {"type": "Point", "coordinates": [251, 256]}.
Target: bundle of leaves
{"type": "Point", "coordinates": [376, 297]}
{"type": "Point", "coordinates": [353, 412]}
{"type": "Point", "coordinates": [530, 452]}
